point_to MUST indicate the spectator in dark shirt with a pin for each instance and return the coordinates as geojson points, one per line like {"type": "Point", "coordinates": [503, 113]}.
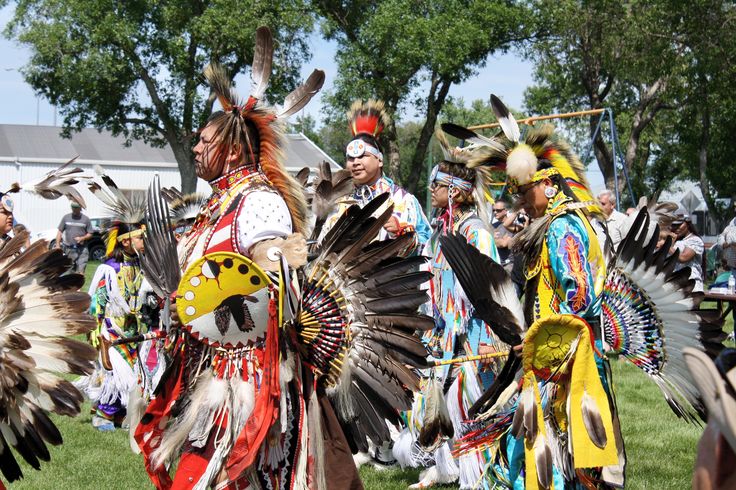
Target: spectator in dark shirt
{"type": "Point", "coordinates": [74, 230]}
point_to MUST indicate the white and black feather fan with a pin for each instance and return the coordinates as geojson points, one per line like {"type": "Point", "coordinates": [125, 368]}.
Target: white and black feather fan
{"type": "Point", "coordinates": [649, 315]}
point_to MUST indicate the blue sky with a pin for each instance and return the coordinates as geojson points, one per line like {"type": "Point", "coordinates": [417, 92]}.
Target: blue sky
{"type": "Point", "coordinates": [506, 75]}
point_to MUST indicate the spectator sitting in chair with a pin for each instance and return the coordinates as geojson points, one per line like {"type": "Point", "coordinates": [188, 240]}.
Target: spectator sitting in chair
{"type": "Point", "coordinates": [74, 230]}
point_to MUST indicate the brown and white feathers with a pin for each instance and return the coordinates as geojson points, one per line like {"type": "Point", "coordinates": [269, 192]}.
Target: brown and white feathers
{"type": "Point", "coordinates": [358, 319]}
{"type": "Point", "coordinates": [326, 191]}
{"type": "Point", "coordinates": [59, 182]}
{"type": "Point", "coordinates": [40, 308]}
{"type": "Point", "coordinates": [186, 207]}
{"type": "Point", "coordinates": [120, 207]}
{"type": "Point", "coordinates": [649, 316]}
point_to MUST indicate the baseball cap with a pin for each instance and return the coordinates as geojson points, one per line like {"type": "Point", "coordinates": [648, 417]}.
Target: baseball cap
{"type": "Point", "coordinates": [76, 205]}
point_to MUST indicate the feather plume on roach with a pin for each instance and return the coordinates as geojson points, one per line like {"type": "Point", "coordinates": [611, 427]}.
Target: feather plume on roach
{"type": "Point", "coordinates": [369, 117]}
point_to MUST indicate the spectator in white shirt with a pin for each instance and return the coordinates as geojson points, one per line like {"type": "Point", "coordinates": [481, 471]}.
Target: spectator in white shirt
{"type": "Point", "coordinates": [614, 219]}
{"type": "Point", "coordinates": [691, 249]}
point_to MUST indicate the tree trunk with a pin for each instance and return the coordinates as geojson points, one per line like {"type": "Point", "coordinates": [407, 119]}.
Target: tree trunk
{"type": "Point", "coordinates": [703, 152]}
{"type": "Point", "coordinates": [394, 157]}
{"type": "Point", "coordinates": [185, 159]}
{"type": "Point", "coordinates": [434, 106]}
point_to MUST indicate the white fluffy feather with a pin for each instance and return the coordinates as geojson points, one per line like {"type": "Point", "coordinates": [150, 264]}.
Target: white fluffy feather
{"type": "Point", "coordinates": [521, 164]}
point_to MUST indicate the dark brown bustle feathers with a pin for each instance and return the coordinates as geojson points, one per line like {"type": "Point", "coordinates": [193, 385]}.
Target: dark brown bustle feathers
{"type": "Point", "coordinates": [358, 322]}
{"type": "Point", "coordinates": [40, 307]}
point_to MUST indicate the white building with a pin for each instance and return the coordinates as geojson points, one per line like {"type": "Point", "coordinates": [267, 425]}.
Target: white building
{"type": "Point", "coordinates": [29, 152]}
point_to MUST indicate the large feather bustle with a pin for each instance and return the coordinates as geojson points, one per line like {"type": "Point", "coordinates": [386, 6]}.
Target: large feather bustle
{"type": "Point", "coordinates": [357, 322]}
{"type": "Point", "coordinates": [649, 316]}
{"type": "Point", "coordinates": [368, 117]}
{"type": "Point", "coordinates": [39, 309]}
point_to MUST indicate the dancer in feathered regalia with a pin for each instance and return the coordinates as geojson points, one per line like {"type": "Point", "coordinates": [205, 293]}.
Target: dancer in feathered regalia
{"type": "Point", "coordinates": [116, 303]}
{"type": "Point", "coordinates": [365, 162]}
{"type": "Point", "coordinates": [562, 429]}
{"type": "Point", "coordinates": [261, 353]}
{"type": "Point", "coordinates": [457, 193]}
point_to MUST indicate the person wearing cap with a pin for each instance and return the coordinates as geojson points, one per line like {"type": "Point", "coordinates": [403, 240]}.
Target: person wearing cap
{"type": "Point", "coordinates": [6, 219]}
{"type": "Point", "coordinates": [691, 248]}
{"type": "Point", "coordinates": [365, 162]}
{"type": "Point", "coordinates": [74, 230]}
{"type": "Point", "coordinates": [716, 381]}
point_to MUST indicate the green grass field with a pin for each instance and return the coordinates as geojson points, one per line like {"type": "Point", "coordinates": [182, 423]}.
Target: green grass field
{"type": "Point", "coordinates": [660, 447]}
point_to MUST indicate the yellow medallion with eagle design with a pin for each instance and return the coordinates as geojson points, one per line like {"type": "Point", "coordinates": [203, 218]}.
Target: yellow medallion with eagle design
{"type": "Point", "coordinates": [223, 300]}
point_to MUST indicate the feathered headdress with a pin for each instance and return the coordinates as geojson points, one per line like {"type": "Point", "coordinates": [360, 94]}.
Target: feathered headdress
{"type": "Point", "coordinates": [367, 121]}
{"type": "Point", "coordinates": [539, 155]}
{"type": "Point", "coordinates": [126, 214]}
{"type": "Point", "coordinates": [239, 121]}
{"type": "Point", "coordinates": [482, 179]}
{"type": "Point", "coordinates": [187, 207]}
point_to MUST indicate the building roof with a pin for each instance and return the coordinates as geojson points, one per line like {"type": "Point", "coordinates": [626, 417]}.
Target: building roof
{"type": "Point", "coordinates": [44, 144]}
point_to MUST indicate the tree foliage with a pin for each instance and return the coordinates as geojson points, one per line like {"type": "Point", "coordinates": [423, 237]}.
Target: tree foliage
{"type": "Point", "coordinates": [409, 53]}
{"type": "Point", "coordinates": [133, 66]}
{"type": "Point", "coordinates": [663, 66]}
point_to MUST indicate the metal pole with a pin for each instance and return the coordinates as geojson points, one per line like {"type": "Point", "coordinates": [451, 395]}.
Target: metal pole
{"type": "Point", "coordinates": [429, 173]}
{"type": "Point", "coordinates": [615, 143]}
{"type": "Point", "coordinates": [595, 135]}
{"type": "Point", "coordinates": [531, 120]}
{"type": "Point", "coordinates": [614, 153]}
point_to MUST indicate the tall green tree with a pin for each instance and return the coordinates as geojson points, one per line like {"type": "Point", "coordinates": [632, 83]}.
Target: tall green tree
{"type": "Point", "coordinates": [409, 53]}
{"type": "Point", "coordinates": [606, 53]}
{"type": "Point", "coordinates": [133, 66]}
{"type": "Point", "coordinates": [703, 133]}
